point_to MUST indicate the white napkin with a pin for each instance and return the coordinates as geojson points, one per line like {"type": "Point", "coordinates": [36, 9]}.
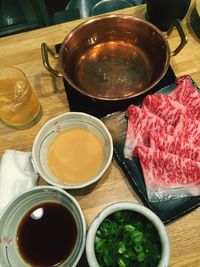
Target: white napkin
{"type": "Point", "coordinates": [16, 175]}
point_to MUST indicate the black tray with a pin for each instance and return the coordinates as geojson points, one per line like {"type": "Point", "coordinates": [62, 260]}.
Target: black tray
{"type": "Point", "coordinates": [167, 210]}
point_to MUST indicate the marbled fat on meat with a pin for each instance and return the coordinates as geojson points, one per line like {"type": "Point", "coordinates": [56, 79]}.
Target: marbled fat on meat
{"type": "Point", "coordinates": [167, 175]}
{"type": "Point", "coordinates": [140, 122]}
{"type": "Point", "coordinates": [187, 94]}
{"type": "Point", "coordinates": [188, 130]}
{"type": "Point", "coordinates": [165, 107]}
{"type": "Point", "coordinates": [174, 145]}
{"type": "Point", "coordinates": [170, 124]}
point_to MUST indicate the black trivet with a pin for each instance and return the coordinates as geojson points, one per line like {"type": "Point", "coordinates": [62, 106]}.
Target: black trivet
{"type": "Point", "coordinates": [99, 108]}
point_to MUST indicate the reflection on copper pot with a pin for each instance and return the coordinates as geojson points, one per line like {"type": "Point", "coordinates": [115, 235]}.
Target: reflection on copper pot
{"type": "Point", "coordinates": [113, 57]}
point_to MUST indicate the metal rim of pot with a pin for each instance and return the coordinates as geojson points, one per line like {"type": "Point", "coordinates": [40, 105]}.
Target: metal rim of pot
{"type": "Point", "coordinates": [45, 50]}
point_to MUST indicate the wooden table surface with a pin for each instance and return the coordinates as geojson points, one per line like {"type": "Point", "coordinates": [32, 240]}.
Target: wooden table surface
{"type": "Point", "coordinates": [23, 50]}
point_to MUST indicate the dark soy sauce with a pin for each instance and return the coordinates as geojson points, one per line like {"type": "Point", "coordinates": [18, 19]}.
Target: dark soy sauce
{"type": "Point", "coordinates": [46, 235]}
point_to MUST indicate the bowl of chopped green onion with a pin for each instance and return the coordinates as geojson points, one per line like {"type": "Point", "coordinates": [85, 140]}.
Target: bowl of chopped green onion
{"type": "Point", "coordinates": [125, 234]}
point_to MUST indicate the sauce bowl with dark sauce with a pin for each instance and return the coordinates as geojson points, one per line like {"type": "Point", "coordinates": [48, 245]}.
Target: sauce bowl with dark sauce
{"type": "Point", "coordinates": [44, 226]}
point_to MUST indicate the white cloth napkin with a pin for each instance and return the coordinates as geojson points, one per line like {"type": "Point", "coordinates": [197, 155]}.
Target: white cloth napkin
{"type": "Point", "coordinates": [16, 175]}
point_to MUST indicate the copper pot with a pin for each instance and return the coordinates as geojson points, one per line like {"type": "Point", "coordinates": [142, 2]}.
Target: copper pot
{"type": "Point", "coordinates": [113, 57]}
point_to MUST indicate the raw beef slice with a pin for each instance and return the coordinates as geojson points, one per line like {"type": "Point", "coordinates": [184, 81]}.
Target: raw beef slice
{"type": "Point", "coordinates": [188, 130]}
{"type": "Point", "coordinates": [165, 107]}
{"type": "Point", "coordinates": [167, 175]}
{"type": "Point", "coordinates": [174, 145]}
{"type": "Point", "coordinates": [140, 122]}
{"type": "Point", "coordinates": [187, 94]}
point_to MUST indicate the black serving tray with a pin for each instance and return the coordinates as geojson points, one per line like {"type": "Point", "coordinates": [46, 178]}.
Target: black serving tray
{"type": "Point", "coordinates": [167, 210]}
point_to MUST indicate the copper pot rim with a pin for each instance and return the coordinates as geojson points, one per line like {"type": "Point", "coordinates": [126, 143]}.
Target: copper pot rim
{"type": "Point", "coordinates": [110, 16]}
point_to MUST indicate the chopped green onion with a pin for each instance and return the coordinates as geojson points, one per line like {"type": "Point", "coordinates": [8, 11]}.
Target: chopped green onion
{"type": "Point", "coordinates": [127, 239]}
{"type": "Point", "coordinates": [121, 263]}
{"type": "Point", "coordinates": [141, 256]}
{"type": "Point", "coordinates": [121, 248]}
{"type": "Point", "coordinates": [100, 246]}
{"type": "Point", "coordinates": [129, 228]}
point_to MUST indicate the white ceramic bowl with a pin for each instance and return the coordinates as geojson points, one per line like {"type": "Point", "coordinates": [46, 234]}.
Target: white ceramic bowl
{"type": "Point", "coordinates": [62, 123]}
{"type": "Point", "coordinates": [113, 207]}
{"type": "Point", "coordinates": [11, 217]}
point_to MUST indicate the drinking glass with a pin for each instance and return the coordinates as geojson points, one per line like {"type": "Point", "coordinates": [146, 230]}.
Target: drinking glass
{"type": "Point", "coordinates": [19, 105]}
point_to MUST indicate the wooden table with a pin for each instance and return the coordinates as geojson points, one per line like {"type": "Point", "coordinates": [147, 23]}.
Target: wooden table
{"type": "Point", "coordinates": [23, 50]}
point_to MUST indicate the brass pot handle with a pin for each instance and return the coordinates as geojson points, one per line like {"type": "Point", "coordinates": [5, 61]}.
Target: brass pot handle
{"type": "Point", "coordinates": [45, 59]}
{"type": "Point", "coordinates": [182, 35]}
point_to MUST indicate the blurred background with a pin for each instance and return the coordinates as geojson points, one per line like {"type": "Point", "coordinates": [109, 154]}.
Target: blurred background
{"type": "Point", "coordinates": [24, 15]}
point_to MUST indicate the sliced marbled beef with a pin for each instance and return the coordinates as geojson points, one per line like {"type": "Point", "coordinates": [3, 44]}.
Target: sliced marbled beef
{"type": "Point", "coordinates": [174, 145]}
{"type": "Point", "coordinates": [140, 122]}
{"type": "Point", "coordinates": [167, 175]}
{"type": "Point", "coordinates": [188, 130]}
{"type": "Point", "coordinates": [165, 107]}
{"type": "Point", "coordinates": [187, 94]}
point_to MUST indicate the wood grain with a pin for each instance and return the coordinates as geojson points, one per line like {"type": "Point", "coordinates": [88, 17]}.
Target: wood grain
{"type": "Point", "coordinates": [23, 50]}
